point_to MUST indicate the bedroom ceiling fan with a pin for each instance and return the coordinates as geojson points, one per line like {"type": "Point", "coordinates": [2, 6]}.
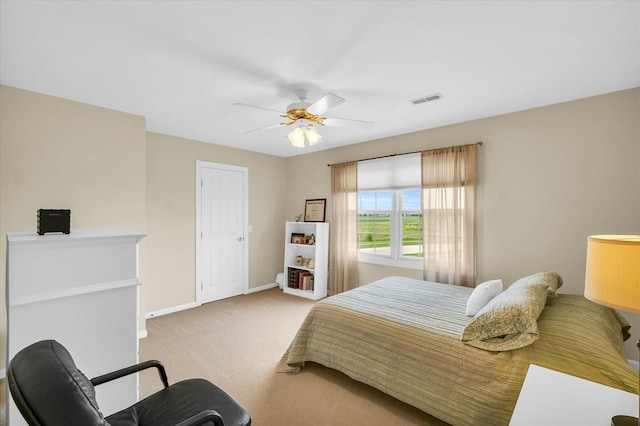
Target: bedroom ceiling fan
{"type": "Point", "coordinates": [303, 116]}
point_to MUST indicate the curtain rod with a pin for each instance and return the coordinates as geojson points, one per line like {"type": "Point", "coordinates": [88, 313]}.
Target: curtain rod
{"type": "Point", "coordinates": [390, 155]}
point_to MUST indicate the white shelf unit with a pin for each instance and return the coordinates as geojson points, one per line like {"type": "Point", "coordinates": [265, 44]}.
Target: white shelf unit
{"type": "Point", "coordinates": [80, 289]}
{"type": "Point", "coordinates": [319, 252]}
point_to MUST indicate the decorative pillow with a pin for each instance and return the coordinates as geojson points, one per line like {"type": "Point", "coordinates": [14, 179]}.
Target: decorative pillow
{"type": "Point", "coordinates": [550, 280]}
{"type": "Point", "coordinates": [508, 321]}
{"type": "Point", "coordinates": [482, 294]}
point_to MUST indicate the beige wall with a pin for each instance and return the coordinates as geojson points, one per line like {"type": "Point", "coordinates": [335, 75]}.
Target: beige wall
{"type": "Point", "coordinates": [171, 198]}
{"type": "Point", "coordinates": [56, 153]}
{"type": "Point", "coordinates": [105, 167]}
{"type": "Point", "coordinates": [549, 177]}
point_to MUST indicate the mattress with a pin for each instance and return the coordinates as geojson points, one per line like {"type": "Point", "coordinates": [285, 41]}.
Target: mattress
{"type": "Point", "coordinates": [402, 336]}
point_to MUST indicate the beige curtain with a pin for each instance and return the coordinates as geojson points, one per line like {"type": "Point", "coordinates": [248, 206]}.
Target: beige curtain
{"type": "Point", "coordinates": [449, 215]}
{"type": "Point", "coordinates": [344, 227]}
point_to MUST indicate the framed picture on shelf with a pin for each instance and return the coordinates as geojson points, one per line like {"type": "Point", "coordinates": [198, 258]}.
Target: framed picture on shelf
{"type": "Point", "coordinates": [298, 238]}
{"type": "Point", "coordinates": [314, 210]}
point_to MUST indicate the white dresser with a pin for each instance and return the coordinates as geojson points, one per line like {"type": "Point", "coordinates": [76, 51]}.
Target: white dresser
{"type": "Point", "coordinates": [80, 289]}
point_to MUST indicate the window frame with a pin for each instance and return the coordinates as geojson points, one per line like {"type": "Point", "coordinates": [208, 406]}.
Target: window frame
{"type": "Point", "coordinates": [395, 258]}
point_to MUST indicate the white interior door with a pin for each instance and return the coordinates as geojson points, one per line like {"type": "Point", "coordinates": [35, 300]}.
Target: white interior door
{"type": "Point", "coordinates": [222, 264]}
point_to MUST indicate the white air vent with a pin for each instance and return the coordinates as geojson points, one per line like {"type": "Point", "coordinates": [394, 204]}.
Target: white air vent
{"type": "Point", "coordinates": [424, 99]}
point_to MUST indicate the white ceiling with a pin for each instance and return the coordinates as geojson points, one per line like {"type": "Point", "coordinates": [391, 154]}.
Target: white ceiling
{"type": "Point", "coordinates": [183, 64]}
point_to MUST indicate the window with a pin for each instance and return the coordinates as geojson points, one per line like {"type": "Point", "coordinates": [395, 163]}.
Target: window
{"type": "Point", "coordinates": [374, 222]}
{"type": "Point", "coordinates": [389, 211]}
{"type": "Point", "coordinates": [411, 223]}
{"type": "Point", "coordinates": [390, 227]}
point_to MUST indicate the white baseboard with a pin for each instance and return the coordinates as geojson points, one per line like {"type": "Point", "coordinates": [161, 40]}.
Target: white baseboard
{"type": "Point", "coordinates": [261, 288]}
{"type": "Point", "coordinates": [179, 308]}
{"type": "Point", "coordinates": [170, 310]}
{"type": "Point", "coordinates": [3, 374]}
{"type": "Point", "coordinates": [635, 364]}
{"type": "Point", "coordinates": [142, 334]}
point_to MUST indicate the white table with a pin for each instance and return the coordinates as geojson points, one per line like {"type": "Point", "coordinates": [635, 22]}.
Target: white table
{"type": "Point", "coordinates": [552, 398]}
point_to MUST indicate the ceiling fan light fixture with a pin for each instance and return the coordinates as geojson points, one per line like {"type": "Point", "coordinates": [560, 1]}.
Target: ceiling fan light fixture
{"type": "Point", "coordinates": [296, 137]}
{"type": "Point", "coordinates": [304, 117]}
{"type": "Point", "coordinates": [312, 136]}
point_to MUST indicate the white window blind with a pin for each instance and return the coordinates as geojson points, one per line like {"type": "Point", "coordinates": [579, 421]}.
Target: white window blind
{"type": "Point", "coordinates": [400, 171]}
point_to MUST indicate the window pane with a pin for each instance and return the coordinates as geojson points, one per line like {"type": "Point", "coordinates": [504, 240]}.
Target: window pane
{"type": "Point", "coordinates": [366, 229]}
{"type": "Point", "coordinates": [366, 201]}
{"type": "Point", "coordinates": [373, 232]}
{"type": "Point", "coordinates": [382, 234]}
{"type": "Point", "coordinates": [375, 200]}
{"type": "Point", "coordinates": [382, 224]}
{"type": "Point", "coordinates": [412, 234]}
{"type": "Point", "coordinates": [382, 212]}
{"type": "Point", "coordinates": [383, 200]}
{"type": "Point", "coordinates": [411, 199]}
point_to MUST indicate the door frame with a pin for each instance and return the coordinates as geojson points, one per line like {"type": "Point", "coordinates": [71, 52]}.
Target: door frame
{"type": "Point", "coordinates": [198, 230]}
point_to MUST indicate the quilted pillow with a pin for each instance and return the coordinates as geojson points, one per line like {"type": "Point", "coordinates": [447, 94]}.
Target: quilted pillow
{"type": "Point", "coordinates": [550, 280]}
{"type": "Point", "coordinates": [508, 321]}
{"type": "Point", "coordinates": [482, 294]}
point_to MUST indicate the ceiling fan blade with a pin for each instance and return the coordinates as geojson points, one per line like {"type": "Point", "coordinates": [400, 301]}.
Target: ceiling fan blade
{"type": "Point", "coordinates": [354, 124]}
{"type": "Point", "coordinates": [253, 106]}
{"type": "Point", "coordinates": [325, 103]}
{"type": "Point", "coordinates": [264, 128]}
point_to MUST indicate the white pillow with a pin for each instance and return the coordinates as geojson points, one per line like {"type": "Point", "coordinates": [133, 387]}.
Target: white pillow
{"type": "Point", "coordinates": [482, 294]}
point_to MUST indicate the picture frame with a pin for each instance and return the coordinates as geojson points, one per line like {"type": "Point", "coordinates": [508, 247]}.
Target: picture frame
{"type": "Point", "coordinates": [315, 209]}
{"type": "Point", "coordinates": [298, 238]}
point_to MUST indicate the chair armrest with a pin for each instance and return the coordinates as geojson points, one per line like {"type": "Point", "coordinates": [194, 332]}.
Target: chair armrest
{"type": "Point", "coordinates": [202, 418]}
{"type": "Point", "coordinates": [133, 369]}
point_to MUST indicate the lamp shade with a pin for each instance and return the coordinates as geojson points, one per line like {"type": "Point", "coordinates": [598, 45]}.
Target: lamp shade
{"type": "Point", "coordinates": [613, 271]}
{"type": "Point", "coordinates": [312, 136]}
{"type": "Point", "coordinates": [296, 137]}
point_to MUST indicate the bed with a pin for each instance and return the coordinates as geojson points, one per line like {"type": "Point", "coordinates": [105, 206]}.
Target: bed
{"type": "Point", "coordinates": [404, 337]}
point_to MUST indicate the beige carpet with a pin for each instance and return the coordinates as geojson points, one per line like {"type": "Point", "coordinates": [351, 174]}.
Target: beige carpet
{"type": "Point", "coordinates": [236, 343]}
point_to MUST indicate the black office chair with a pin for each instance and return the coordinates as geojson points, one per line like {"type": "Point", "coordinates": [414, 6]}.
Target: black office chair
{"type": "Point", "coordinates": [49, 390]}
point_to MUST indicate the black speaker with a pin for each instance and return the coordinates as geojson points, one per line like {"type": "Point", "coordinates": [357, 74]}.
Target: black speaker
{"type": "Point", "coordinates": [54, 221]}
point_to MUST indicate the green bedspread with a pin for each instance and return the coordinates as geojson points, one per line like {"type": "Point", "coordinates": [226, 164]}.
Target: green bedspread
{"type": "Point", "coordinates": [402, 336]}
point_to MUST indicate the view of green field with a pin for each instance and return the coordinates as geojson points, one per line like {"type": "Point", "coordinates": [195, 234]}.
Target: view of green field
{"type": "Point", "coordinates": [374, 232]}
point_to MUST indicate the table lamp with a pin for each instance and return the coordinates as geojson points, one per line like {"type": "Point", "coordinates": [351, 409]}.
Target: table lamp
{"type": "Point", "coordinates": [613, 279]}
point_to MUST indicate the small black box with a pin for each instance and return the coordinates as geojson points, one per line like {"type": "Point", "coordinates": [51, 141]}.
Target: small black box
{"type": "Point", "coordinates": [54, 221]}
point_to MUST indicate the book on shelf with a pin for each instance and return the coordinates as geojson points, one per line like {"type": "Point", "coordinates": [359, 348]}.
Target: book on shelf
{"type": "Point", "coordinates": [307, 281]}
{"type": "Point", "coordinates": [304, 280]}
{"type": "Point", "coordinates": [292, 278]}
{"type": "Point", "coordinates": [300, 279]}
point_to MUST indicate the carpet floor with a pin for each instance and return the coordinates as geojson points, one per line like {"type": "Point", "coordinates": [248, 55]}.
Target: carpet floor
{"type": "Point", "coordinates": [236, 343]}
